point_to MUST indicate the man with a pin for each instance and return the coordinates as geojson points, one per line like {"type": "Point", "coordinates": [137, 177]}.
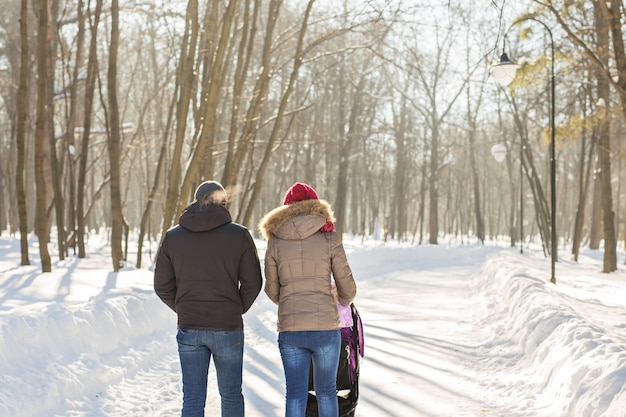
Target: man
{"type": "Point", "coordinates": [208, 272]}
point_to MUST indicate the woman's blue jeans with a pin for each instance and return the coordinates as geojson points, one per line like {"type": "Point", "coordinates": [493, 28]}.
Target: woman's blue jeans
{"type": "Point", "coordinates": [195, 348]}
{"type": "Point", "coordinates": [297, 349]}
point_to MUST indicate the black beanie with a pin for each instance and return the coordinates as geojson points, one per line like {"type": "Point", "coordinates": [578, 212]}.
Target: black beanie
{"type": "Point", "coordinates": [211, 192]}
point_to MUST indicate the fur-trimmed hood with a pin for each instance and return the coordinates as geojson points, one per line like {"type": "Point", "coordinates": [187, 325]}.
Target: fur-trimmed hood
{"type": "Point", "coordinates": [306, 217]}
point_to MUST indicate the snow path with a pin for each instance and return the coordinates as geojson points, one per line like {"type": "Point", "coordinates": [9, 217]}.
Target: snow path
{"type": "Point", "coordinates": [419, 335]}
{"type": "Point", "coordinates": [419, 332]}
{"type": "Point", "coordinates": [416, 350]}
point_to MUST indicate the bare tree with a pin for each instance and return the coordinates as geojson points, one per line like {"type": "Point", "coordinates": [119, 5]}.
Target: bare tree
{"type": "Point", "coordinates": [69, 145]}
{"type": "Point", "coordinates": [584, 174]}
{"type": "Point", "coordinates": [55, 165]}
{"type": "Point", "coordinates": [430, 79]}
{"type": "Point", "coordinates": [41, 148]}
{"type": "Point", "coordinates": [113, 143]}
{"type": "Point", "coordinates": [90, 85]}
{"type": "Point", "coordinates": [22, 119]}
{"type": "Point", "coordinates": [610, 20]}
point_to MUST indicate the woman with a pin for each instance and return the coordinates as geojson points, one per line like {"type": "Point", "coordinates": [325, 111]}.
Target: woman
{"type": "Point", "coordinates": [303, 250]}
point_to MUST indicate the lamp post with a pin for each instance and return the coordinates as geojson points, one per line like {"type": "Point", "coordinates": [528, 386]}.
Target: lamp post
{"type": "Point", "coordinates": [504, 72]}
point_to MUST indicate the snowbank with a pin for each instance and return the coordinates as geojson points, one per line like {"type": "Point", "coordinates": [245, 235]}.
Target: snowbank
{"type": "Point", "coordinates": [51, 352]}
{"type": "Point", "coordinates": [559, 342]}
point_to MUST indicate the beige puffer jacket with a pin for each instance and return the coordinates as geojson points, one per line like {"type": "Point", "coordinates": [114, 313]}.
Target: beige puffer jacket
{"type": "Point", "coordinates": [298, 264]}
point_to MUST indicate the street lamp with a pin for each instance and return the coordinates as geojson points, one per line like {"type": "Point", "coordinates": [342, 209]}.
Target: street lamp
{"type": "Point", "coordinates": [499, 152]}
{"type": "Point", "coordinates": [502, 73]}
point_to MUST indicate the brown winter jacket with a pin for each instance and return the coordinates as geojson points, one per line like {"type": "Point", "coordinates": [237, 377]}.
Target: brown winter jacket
{"type": "Point", "coordinates": [208, 269]}
{"type": "Point", "coordinates": [298, 264]}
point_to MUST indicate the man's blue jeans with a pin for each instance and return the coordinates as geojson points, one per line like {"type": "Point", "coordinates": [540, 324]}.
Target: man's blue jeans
{"type": "Point", "coordinates": [296, 350]}
{"type": "Point", "coordinates": [195, 348]}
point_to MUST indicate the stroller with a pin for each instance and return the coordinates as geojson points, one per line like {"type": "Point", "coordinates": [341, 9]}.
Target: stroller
{"type": "Point", "coordinates": [347, 371]}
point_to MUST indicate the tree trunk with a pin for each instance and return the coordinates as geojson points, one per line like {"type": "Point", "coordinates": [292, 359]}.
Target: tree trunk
{"type": "Point", "coordinates": [595, 231]}
{"type": "Point", "coordinates": [22, 117]}
{"type": "Point", "coordinates": [399, 216]}
{"type": "Point", "coordinates": [70, 147]}
{"type": "Point", "coordinates": [583, 187]}
{"type": "Point", "coordinates": [55, 166]}
{"type": "Point", "coordinates": [582, 196]}
{"type": "Point", "coordinates": [90, 85]}
{"type": "Point", "coordinates": [604, 144]}
{"type": "Point", "coordinates": [433, 188]}
{"type": "Point", "coordinates": [114, 144]}
{"type": "Point", "coordinates": [478, 214]}
{"type": "Point", "coordinates": [422, 193]}
{"type": "Point", "coordinates": [41, 220]}
{"type": "Point", "coordinates": [608, 223]}
{"type": "Point", "coordinates": [614, 19]}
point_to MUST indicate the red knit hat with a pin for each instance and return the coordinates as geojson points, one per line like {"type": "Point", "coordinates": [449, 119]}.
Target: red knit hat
{"type": "Point", "coordinates": [299, 192]}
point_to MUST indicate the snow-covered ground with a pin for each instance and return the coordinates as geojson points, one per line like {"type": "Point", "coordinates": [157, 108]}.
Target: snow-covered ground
{"type": "Point", "coordinates": [450, 330]}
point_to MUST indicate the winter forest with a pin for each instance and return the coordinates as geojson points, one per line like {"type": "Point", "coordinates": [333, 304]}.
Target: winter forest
{"type": "Point", "coordinates": [112, 112]}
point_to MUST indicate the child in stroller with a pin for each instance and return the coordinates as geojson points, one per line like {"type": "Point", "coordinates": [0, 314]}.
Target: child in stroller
{"type": "Point", "coordinates": [349, 365]}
